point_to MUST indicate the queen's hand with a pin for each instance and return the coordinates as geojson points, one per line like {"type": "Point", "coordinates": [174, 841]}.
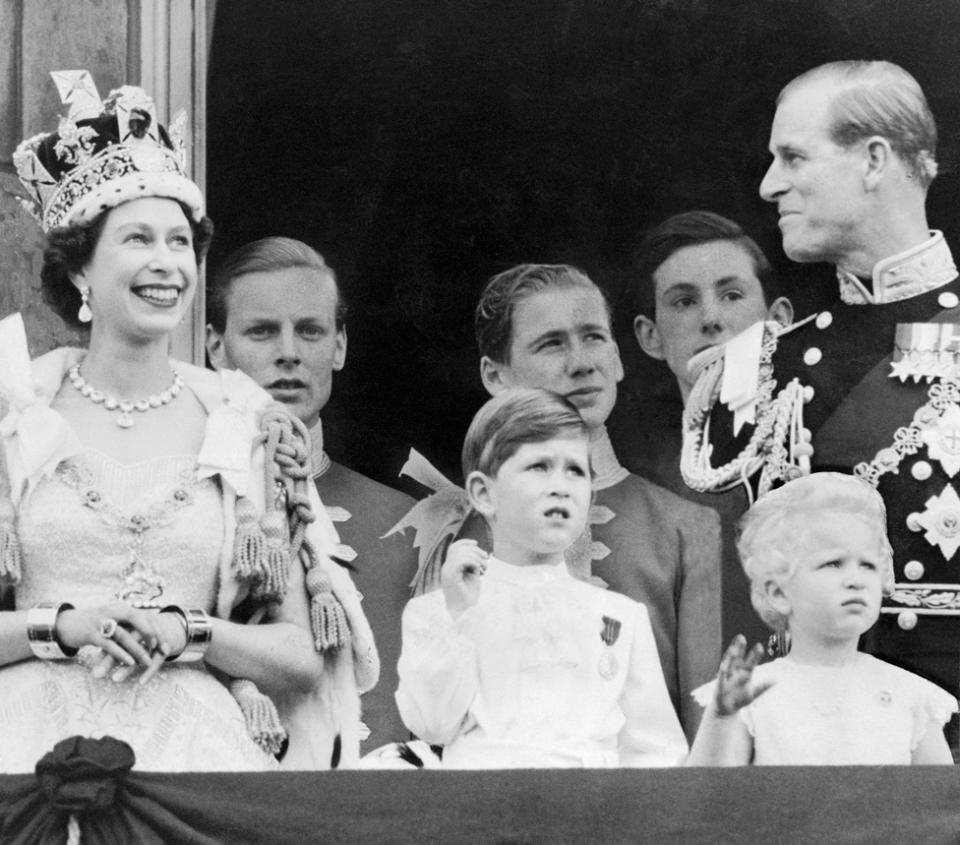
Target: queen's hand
{"type": "Point", "coordinates": [124, 638]}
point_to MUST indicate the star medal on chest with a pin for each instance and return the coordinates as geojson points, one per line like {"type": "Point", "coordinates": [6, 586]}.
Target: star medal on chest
{"type": "Point", "coordinates": [608, 661]}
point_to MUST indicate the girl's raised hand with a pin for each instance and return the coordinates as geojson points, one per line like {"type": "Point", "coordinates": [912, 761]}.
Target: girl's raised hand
{"type": "Point", "coordinates": [735, 687]}
{"type": "Point", "coordinates": [460, 575]}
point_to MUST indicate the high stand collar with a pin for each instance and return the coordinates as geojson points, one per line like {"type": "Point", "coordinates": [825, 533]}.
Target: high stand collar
{"type": "Point", "coordinates": [907, 274]}
{"type": "Point", "coordinates": [319, 459]}
{"type": "Point", "coordinates": [607, 469]}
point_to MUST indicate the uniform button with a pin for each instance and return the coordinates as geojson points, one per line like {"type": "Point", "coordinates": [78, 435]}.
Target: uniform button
{"type": "Point", "coordinates": [913, 569]}
{"type": "Point", "coordinates": [824, 319]}
{"type": "Point", "coordinates": [812, 356]}
{"type": "Point", "coordinates": [808, 392]}
{"type": "Point", "coordinates": [948, 299]}
{"type": "Point", "coordinates": [921, 470]}
{"type": "Point", "coordinates": [913, 521]}
{"type": "Point", "coordinates": [907, 620]}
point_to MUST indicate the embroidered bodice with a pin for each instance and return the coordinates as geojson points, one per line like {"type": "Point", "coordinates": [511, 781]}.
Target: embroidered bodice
{"type": "Point", "coordinates": [160, 532]}
{"type": "Point", "coordinates": [148, 532]}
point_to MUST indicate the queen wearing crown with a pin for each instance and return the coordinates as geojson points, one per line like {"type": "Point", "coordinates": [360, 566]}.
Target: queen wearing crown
{"type": "Point", "coordinates": [166, 551]}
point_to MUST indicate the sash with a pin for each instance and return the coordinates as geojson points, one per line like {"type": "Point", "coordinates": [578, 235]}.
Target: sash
{"type": "Point", "coordinates": [866, 417]}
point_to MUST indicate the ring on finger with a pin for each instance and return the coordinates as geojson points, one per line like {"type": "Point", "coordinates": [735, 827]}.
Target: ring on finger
{"type": "Point", "coordinates": [108, 628]}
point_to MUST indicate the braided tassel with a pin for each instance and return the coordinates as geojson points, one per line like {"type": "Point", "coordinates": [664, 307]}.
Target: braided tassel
{"type": "Point", "coordinates": [249, 542]}
{"type": "Point", "coordinates": [260, 713]}
{"type": "Point", "coordinates": [9, 544]}
{"type": "Point", "coordinates": [276, 561]}
{"type": "Point", "coordinates": [328, 621]}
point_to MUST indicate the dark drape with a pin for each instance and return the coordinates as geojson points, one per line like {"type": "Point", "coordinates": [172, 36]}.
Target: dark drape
{"type": "Point", "coordinates": [690, 806]}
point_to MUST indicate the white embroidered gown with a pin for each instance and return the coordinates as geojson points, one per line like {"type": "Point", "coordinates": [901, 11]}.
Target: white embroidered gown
{"type": "Point", "coordinates": [94, 529]}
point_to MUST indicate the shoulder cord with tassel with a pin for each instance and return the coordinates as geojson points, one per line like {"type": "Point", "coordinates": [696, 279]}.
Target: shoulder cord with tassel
{"type": "Point", "coordinates": [263, 551]}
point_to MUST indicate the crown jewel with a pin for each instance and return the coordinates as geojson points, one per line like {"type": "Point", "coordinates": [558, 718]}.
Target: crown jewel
{"type": "Point", "coordinates": [103, 154]}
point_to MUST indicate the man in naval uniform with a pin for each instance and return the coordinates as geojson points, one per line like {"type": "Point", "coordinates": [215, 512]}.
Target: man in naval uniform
{"type": "Point", "coordinates": [853, 146]}
{"type": "Point", "coordinates": [275, 312]}
{"type": "Point", "coordinates": [548, 326]}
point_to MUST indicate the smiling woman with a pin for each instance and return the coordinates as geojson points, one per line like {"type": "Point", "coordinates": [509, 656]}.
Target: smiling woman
{"type": "Point", "coordinates": [135, 525]}
{"type": "Point", "coordinates": [70, 249]}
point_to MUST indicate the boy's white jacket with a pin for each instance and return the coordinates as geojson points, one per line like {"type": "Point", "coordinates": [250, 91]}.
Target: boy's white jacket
{"type": "Point", "coordinates": [36, 439]}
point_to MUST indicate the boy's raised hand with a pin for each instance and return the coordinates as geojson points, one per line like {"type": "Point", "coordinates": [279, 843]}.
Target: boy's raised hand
{"type": "Point", "coordinates": [734, 680]}
{"type": "Point", "coordinates": [460, 575]}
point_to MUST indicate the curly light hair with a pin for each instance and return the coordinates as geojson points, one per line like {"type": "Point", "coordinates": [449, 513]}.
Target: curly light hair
{"type": "Point", "coordinates": [779, 524]}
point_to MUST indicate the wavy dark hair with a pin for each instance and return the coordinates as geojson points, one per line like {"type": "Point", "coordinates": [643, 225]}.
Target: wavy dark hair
{"type": "Point", "coordinates": [693, 228]}
{"type": "Point", "coordinates": [493, 317]}
{"type": "Point", "coordinates": [70, 248]}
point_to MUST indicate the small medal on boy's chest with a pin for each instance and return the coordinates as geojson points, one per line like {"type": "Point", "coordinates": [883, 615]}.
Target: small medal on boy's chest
{"type": "Point", "coordinates": [608, 660]}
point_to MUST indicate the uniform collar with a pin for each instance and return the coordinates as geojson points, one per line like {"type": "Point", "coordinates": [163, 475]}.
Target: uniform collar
{"type": "Point", "coordinates": [607, 469]}
{"type": "Point", "coordinates": [319, 460]}
{"type": "Point", "coordinates": [902, 276]}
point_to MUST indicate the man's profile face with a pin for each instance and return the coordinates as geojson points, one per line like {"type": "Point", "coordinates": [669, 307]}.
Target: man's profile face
{"type": "Point", "coordinates": [705, 294]}
{"type": "Point", "coordinates": [281, 331]}
{"type": "Point", "coordinates": [817, 185]}
{"type": "Point", "coordinates": [561, 341]}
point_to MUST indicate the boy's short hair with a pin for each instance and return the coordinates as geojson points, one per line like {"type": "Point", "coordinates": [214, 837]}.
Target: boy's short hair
{"type": "Point", "coordinates": [773, 530]}
{"type": "Point", "coordinates": [693, 228]}
{"type": "Point", "coordinates": [493, 318]}
{"type": "Point", "coordinates": [515, 417]}
{"type": "Point", "coordinates": [267, 255]}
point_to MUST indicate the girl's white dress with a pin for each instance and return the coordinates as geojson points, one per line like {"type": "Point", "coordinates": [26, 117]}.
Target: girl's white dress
{"type": "Point", "coordinates": [865, 713]}
{"type": "Point", "coordinates": [545, 670]}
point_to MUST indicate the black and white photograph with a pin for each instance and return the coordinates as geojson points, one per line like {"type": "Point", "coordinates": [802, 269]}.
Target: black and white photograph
{"type": "Point", "coordinates": [480, 421]}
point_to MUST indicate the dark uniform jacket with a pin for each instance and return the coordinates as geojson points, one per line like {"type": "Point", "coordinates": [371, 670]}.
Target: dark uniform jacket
{"type": "Point", "coordinates": [363, 511]}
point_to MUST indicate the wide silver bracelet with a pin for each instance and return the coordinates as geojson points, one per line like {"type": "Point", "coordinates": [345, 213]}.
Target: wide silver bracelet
{"type": "Point", "coordinates": [199, 631]}
{"type": "Point", "coordinates": [42, 631]}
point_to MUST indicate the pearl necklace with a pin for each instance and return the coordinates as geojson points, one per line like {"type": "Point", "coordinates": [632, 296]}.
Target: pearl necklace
{"type": "Point", "coordinates": [125, 407]}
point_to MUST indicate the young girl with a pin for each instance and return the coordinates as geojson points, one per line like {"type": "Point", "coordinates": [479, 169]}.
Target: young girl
{"type": "Point", "coordinates": [818, 560]}
{"type": "Point", "coordinates": [513, 662]}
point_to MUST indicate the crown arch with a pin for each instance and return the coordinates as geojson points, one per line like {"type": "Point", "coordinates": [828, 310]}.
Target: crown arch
{"type": "Point", "coordinates": [160, 45]}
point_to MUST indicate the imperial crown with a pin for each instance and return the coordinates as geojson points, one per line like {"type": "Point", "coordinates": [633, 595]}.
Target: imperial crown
{"type": "Point", "coordinates": [103, 154]}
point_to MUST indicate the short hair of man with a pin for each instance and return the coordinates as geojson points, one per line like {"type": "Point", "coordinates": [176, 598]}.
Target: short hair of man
{"type": "Point", "coordinates": [777, 529]}
{"type": "Point", "coordinates": [515, 417]}
{"type": "Point", "coordinates": [493, 318]}
{"type": "Point", "coordinates": [879, 98]}
{"type": "Point", "coordinates": [267, 255]}
{"type": "Point", "coordinates": [693, 228]}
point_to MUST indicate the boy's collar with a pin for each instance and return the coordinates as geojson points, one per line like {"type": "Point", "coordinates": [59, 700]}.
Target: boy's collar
{"type": "Point", "coordinates": [526, 575]}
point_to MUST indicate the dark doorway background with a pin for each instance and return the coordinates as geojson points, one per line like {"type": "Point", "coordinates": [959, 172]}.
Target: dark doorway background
{"type": "Point", "coordinates": [423, 145]}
